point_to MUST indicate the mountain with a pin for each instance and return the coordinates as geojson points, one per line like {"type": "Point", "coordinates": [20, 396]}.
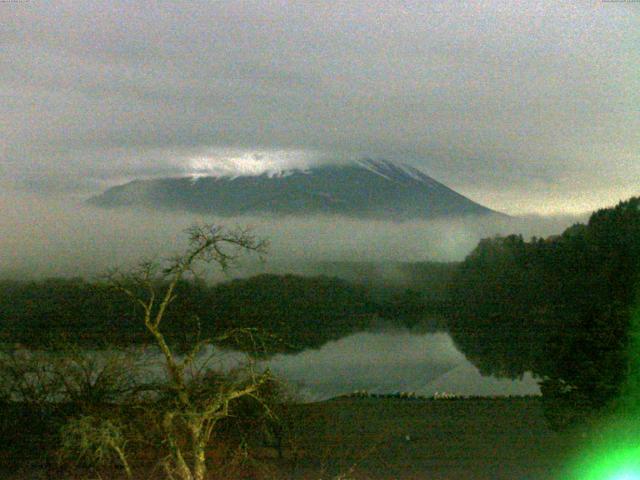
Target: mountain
{"type": "Point", "coordinates": [372, 189]}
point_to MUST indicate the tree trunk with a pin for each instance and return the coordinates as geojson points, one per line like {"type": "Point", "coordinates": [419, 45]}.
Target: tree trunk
{"type": "Point", "coordinates": [199, 463]}
{"type": "Point", "coordinates": [199, 447]}
{"type": "Point", "coordinates": [182, 469]}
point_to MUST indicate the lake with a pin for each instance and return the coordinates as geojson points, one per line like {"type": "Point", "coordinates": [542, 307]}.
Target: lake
{"type": "Point", "coordinates": [381, 362]}
{"type": "Point", "coordinates": [391, 361]}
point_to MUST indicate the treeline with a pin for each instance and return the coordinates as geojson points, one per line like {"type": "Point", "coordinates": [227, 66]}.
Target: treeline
{"type": "Point", "coordinates": [280, 312]}
{"type": "Point", "coordinates": [560, 307]}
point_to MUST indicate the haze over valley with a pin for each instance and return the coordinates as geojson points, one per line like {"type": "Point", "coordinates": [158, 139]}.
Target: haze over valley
{"type": "Point", "coordinates": [58, 236]}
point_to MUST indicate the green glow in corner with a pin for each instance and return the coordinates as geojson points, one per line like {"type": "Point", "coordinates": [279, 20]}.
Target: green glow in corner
{"type": "Point", "coordinates": [614, 450]}
{"type": "Point", "coordinates": [626, 476]}
{"type": "Point", "coordinates": [615, 464]}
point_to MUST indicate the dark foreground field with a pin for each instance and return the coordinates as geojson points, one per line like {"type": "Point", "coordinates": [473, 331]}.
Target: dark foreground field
{"type": "Point", "coordinates": [444, 439]}
{"type": "Point", "coordinates": [366, 438]}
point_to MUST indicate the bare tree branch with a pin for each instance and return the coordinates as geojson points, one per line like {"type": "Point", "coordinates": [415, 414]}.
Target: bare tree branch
{"type": "Point", "coordinates": [196, 407]}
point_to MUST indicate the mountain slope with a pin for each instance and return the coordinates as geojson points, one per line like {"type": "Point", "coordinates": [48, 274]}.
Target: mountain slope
{"type": "Point", "coordinates": [364, 189]}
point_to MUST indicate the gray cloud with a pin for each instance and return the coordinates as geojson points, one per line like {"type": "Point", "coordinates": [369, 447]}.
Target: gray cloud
{"type": "Point", "coordinates": [531, 104]}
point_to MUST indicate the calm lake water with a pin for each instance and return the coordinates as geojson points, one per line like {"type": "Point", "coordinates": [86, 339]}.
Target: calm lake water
{"type": "Point", "coordinates": [389, 362]}
{"type": "Point", "coordinates": [378, 362]}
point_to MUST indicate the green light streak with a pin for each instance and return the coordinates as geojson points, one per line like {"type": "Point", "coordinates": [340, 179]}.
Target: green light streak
{"type": "Point", "coordinates": [614, 449]}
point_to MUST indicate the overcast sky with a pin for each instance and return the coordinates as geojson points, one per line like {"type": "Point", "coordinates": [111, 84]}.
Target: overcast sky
{"type": "Point", "coordinates": [523, 106]}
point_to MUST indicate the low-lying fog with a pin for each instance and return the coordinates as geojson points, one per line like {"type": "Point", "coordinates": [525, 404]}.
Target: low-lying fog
{"type": "Point", "coordinates": [61, 237]}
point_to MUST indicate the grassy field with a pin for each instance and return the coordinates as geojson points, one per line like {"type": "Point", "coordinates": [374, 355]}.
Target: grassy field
{"type": "Point", "coordinates": [367, 438]}
{"type": "Point", "coordinates": [444, 439]}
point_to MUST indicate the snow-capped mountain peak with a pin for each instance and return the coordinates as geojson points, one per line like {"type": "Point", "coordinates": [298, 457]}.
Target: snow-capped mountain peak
{"type": "Point", "coordinates": [365, 188]}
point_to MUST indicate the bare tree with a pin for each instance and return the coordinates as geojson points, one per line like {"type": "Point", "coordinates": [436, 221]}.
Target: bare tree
{"type": "Point", "coordinates": [28, 378]}
{"type": "Point", "coordinates": [194, 405]}
{"type": "Point", "coordinates": [96, 440]}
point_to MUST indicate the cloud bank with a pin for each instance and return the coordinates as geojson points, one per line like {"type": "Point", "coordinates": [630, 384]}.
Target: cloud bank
{"type": "Point", "coordinates": [522, 106]}
{"type": "Point", "coordinates": [52, 236]}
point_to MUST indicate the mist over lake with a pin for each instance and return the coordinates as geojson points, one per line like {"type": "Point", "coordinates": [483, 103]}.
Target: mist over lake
{"type": "Point", "coordinates": [86, 241]}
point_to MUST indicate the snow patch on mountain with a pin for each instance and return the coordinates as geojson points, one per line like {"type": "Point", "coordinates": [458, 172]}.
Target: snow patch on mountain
{"type": "Point", "coordinates": [373, 166]}
{"type": "Point", "coordinates": [231, 164]}
{"type": "Point", "coordinates": [396, 171]}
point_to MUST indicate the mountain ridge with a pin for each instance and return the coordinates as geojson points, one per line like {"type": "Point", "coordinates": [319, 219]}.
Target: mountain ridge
{"type": "Point", "coordinates": [366, 188]}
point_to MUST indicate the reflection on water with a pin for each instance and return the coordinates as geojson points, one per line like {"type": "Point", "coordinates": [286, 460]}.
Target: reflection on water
{"type": "Point", "coordinates": [391, 362]}
{"type": "Point", "coordinates": [382, 362]}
